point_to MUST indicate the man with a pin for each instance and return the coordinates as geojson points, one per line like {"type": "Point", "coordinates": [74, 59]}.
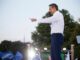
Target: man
{"type": "Point", "coordinates": [57, 28]}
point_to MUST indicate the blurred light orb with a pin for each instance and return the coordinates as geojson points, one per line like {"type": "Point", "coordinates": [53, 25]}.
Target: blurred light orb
{"type": "Point", "coordinates": [64, 49]}
{"type": "Point", "coordinates": [45, 48]}
{"type": "Point", "coordinates": [36, 49]}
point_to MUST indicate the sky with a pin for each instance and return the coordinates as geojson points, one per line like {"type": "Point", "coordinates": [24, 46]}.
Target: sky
{"type": "Point", "coordinates": [15, 16]}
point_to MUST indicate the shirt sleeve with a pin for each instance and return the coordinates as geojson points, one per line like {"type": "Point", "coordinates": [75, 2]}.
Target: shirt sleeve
{"type": "Point", "coordinates": [47, 20]}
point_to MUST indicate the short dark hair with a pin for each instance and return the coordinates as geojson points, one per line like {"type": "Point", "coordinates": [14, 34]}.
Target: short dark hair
{"type": "Point", "coordinates": [54, 5]}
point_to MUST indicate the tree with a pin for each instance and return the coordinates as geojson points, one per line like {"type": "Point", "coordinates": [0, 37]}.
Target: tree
{"type": "Point", "coordinates": [5, 45]}
{"type": "Point", "coordinates": [41, 36]}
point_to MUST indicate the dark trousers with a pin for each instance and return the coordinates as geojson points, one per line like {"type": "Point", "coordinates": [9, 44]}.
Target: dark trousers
{"type": "Point", "coordinates": [56, 43]}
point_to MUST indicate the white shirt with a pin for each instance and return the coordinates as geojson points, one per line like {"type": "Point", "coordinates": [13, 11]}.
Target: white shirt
{"type": "Point", "coordinates": [56, 21]}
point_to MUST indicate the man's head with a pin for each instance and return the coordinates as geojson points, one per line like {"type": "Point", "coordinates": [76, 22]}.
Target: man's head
{"type": "Point", "coordinates": [53, 8]}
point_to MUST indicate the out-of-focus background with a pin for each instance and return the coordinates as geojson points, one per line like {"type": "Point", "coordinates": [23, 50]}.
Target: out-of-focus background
{"type": "Point", "coordinates": [17, 31]}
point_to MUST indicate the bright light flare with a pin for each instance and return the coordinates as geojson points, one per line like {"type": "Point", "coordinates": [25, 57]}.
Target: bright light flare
{"type": "Point", "coordinates": [45, 48]}
{"type": "Point", "coordinates": [31, 53]}
{"type": "Point", "coordinates": [64, 49]}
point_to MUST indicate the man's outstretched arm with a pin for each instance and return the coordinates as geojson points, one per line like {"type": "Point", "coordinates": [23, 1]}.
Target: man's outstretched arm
{"type": "Point", "coordinates": [46, 20]}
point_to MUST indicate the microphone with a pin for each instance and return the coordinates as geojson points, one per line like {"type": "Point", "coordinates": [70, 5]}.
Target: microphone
{"type": "Point", "coordinates": [48, 14]}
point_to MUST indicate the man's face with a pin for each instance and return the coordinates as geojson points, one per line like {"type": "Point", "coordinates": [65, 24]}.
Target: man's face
{"type": "Point", "coordinates": [52, 9]}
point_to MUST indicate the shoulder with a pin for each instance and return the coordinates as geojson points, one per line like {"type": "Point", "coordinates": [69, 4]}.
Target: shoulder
{"type": "Point", "coordinates": [58, 14]}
